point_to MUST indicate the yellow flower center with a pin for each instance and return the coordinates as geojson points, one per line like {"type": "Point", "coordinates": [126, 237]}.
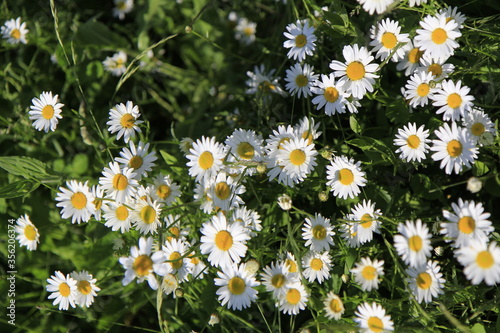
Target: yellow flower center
{"type": "Point", "coordinates": [331, 94]}
{"type": "Point", "coordinates": [97, 203]}
{"type": "Point", "coordinates": [375, 324]}
{"type": "Point", "coordinates": [278, 280]}
{"type": "Point", "coordinates": [195, 261]}
{"type": "Point", "coordinates": [120, 182]}
{"type": "Point", "coordinates": [369, 272]}
{"type": "Point", "coordinates": [176, 261]}
{"type": "Point", "coordinates": [121, 5]}
{"type": "Point", "coordinates": [206, 160]}
{"type": "Point", "coordinates": [148, 214]}
{"type": "Point", "coordinates": [335, 305]}
{"type": "Point", "coordinates": [439, 36]}
{"type": "Point", "coordinates": [366, 221]}
{"type": "Point", "coordinates": [48, 112]}
{"type": "Point", "coordinates": [484, 259]}
{"type": "Point", "coordinates": [64, 289]}
{"type": "Point", "coordinates": [319, 232]}
{"type": "Point", "coordinates": [79, 200]}
{"type": "Point", "coordinates": [309, 136]}
{"type": "Point", "coordinates": [248, 31]}
{"type": "Point", "coordinates": [84, 287]}
{"type": "Point", "coordinates": [389, 40]}
{"type": "Point", "coordinates": [15, 33]}
{"type": "Point", "coordinates": [267, 87]}
{"type": "Point", "coordinates": [316, 264]}
{"type": "Point", "coordinates": [435, 69]}
{"type": "Point", "coordinates": [423, 89]}
{"type": "Point", "coordinates": [424, 280]}
{"type": "Point", "coordinates": [293, 296]}
{"type": "Point", "coordinates": [143, 265]}
{"type": "Point", "coordinates": [355, 71]}
{"type": "Point", "coordinates": [236, 285]}
{"type": "Point", "coordinates": [245, 151]}
{"type": "Point", "coordinates": [163, 191]}
{"type": "Point", "coordinates": [175, 231]}
{"type": "Point", "coordinates": [414, 55]}
{"type": "Point", "coordinates": [413, 141]}
{"type": "Point", "coordinates": [292, 265]}
{"type": "Point", "coordinates": [297, 157]}
{"type": "Point", "coordinates": [122, 213]}
{"type": "Point", "coordinates": [29, 232]}
{"type": "Point", "coordinates": [454, 148]}
{"type": "Point", "coordinates": [415, 243]}
{"type": "Point", "coordinates": [454, 100]}
{"type": "Point", "coordinates": [466, 225]}
{"type": "Point", "coordinates": [300, 40]}
{"type": "Point", "coordinates": [135, 162]}
{"type": "Point", "coordinates": [282, 141]}
{"type": "Point", "coordinates": [127, 121]}
{"type": "Point", "coordinates": [477, 129]}
{"type": "Point", "coordinates": [224, 240]}
{"type": "Point", "coordinates": [222, 190]}
{"type": "Point", "coordinates": [301, 80]}
{"type": "Point", "coordinates": [346, 177]}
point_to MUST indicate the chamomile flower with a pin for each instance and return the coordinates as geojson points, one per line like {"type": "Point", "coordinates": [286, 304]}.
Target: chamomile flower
{"type": "Point", "coordinates": [300, 80]}
{"type": "Point", "coordinates": [318, 232]}
{"type": "Point", "coordinates": [438, 68]}
{"type": "Point", "coordinates": [294, 299]}
{"type": "Point", "coordinates": [316, 266]}
{"type": "Point", "coordinates": [437, 38]}
{"type": "Point", "coordinates": [237, 287]}
{"type": "Point", "coordinates": [45, 111]}
{"type": "Point", "coordinates": [481, 262]}
{"type": "Point", "coordinates": [205, 158]}
{"type": "Point", "coordinates": [378, 6]}
{"type": "Point", "coordinates": [169, 284]}
{"type": "Point", "coordinates": [467, 222]}
{"type": "Point", "coordinates": [225, 192]}
{"type": "Point", "coordinates": [246, 147]}
{"type": "Point", "coordinates": [249, 218]}
{"type": "Point", "coordinates": [477, 124]}
{"type": "Point", "coordinates": [411, 59]}
{"type": "Point", "coordinates": [387, 38]}
{"type": "Point", "coordinates": [99, 202]}
{"type": "Point", "coordinates": [453, 100]}
{"type": "Point", "coordinates": [333, 306]}
{"type": "Point", "coordinates": [285, 201]}
{"type": "Point", "coordinates": [357, 74]}
{"type": "Point", "coordinates": [307, 129]}
{"type": "Point", "coordinates": [63, 289]}
{"type": "Point", "coordinates": [116, 64]}
{"type": "Point", "coordinates": [413, 243]}
{"type": "Point", "coordinates": [27, 233]}
{"type": "Point", "coordinates": [225, 243]}
{"type": "Point", "coordinates": [452, 13]}
{"type": "Point", "coordinates": [349, 232]}
{"type": "Point", "coordinates": [372, 318]}
{"type": "Point", "coordinates": [276, 278]}
{"type": "Point", "coordinates": [119, 184]}
{"type": "Point", "coordinates": [413, 143]}
{"type": "Point", "coordinates": [146, 215]}
{"type": "Point", "coordinates": [330, 95]}
{"type": "Point", "coordinates": [300, 41]}
{"type": "Point", "coordinates": [141, 264]}
{"type": "Point", "coordinates": [197, 267]}
{"type": "Point", "coordinates": [420, 88]}
{"type": "Point", "coordinates": [118, 216]}
{"type": "Point", "coordinates": [137, 158]}
{"type": "Point", "coordinates": [176, 256]}
{"type": "Point", "coordinates": [426, 282]}
{"type": "Point", "coordinates": [164, 190]}
{"type": "Point", "coordinates": [86, 288]}
{"type": "Point", "coordinates": [123, 119]}
{"type": "Point", "coordinates": [414, 3]}
{"type": "Point", "coordinates": [366, 218]}
{"type": "Point", "coordinates": [263, 82]}
{"type": "Point", "coordinates": [185, 145]}
{"type": "Point", "coordinates": [245, 31]}
{"type": "Point", "coordinates": [76, 201]}
{"type": "Point", "coordinates": [367, 273]}
{"type": "Point", "coordinates": [345, 177]}
{"type": "Point", "coordinates": [14, 31]}
{"type": "Point", "coordinates": [297, 157]}
{"type": "Point", "coordinates": [278, 138]}
{"type": "Point", "coordinates": [291, 264]}
{"type": "Point", "coordinates": [122, 7]}
{"type": "Point", "coordinates": [454, 148]}
{"type": "Point", "coordinates": [175, 227]}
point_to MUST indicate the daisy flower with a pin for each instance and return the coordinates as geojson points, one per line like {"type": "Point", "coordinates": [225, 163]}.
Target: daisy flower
{"type": "Point", "coordinates": [367, 272]}
{"type": "Point", "coordinates": [426, 282]}
{"type": "Point", "coordinates": [372, 318]}
{"type": "Point", "coordinates": [366, 218]}
{"type": "Point", "coordinates": [437, 38]}
{"type": "Point", "coordinates": [420, 88]}
{"type": "Point", "coordinates": [249, 218]}
{"type": "Point", "coordinates": [297, 157]}
{"type": "Point", "coordinates": [263, 82]}
{"type": "Point", "coordinates": [164, 190]}
{"type": "Point", "coordinates": [349, 232]}
{"type": "Point", "coordinates": [116, 64]}
{"type": "Point", "coordinates": [176, 228]}
{"type": "Point", "coordinates": [453, 100]}
{"type": "Point", "coordinates": [141, 264]}
{"type": "Point", "coordinates": [245, 145]}
{"type": "Point", "coordinates": [14, 31]}
{"type": "Point", "coordinates": [452, 13]}
{"type": "Point", "coordinates": [357, 74]}
{"type": "Point", "coordinates": [169, 284]}
{"type": "Point", "coordinates": [178, 262]}
{"type": "Point", "coordinates": [330, 95]}
{"type": "Point", "coordinates": [205, 158]}
{"type": "Point", "coordinates": [118, 217]}
{"type": "Point", "coordinates": [225, 243]}
{"type": "Point", "coordinates": [76, 201]}
{"type": "Point", "coordinates": [345, 177]}
{"type": "Point", "coordinates": [285, 202]}
{"type": "Point", "coordinates": [63, 289]}
{"type": "Point", "coordinates": [318, 232]}
{"type": "Point", "coordinates": [414, 3]}
{"type": "Point", "coordinates": [307, 129]}
{"type": "Point", "coordinates": [333, 306]}
{"type": "Point", "coordinates": [237, 287]}
{"type": "Point", "coordinates": [413, 243]}
{"type": "Point", "coordinates": [119, 184]}
{"type": "Point", "coordinates": [123, 119]}
{"type": "Point", "coordinates": [27, 233]}
{"type": "Point", "coordinates": [378, 6]}
{"type": "Point", "coordinates": [197, 267]}
{"type": "Point", "coordinates": [137, 159]}
{"type": "Point", "coordinates": [387, 38]}
{"type": "Point", "coordinates": [278, 138]}
{"type": "Point", "coordinates": [86, 288]}
{"type": "Point", "coordinates": [276, 278]}
{"type": "Point", "coordinates": [224, 192]}
{"type": "Point", "coordinates": [438, 68]}
{"type": "Point", "coordinates": [478, 123]}
{"type": "Point", "coordinates": [45, 111]}
{"type": "Point", "coordinates": [481, 262]}
{"type": "Point", "coordinates": [294, 299]}
{"type": "Point", "coordinates": [300, 41]}
{"type": "Point", "coordinates": [122, 7]}
{"type": "Point", "coordinates": [99, 203]}
{"type": "Point", "coordinates": [146, 215]}
{"type": "Point", "coordinates": [317, 266]}
{"type": "Point", "coordinates": [454, 148]}
{"type": "Point", "coordinates": [245, 31]}
{"type": "Point", "coordinates": [300, 80]}
{"type": "Point", "coordinates": [413, 143]}
{"type": "Point", "coordinates": [467, 222]}
{"type": "Point", "coordinates": [291, 263]}
{"type": "Point", "coordinates": [411, 59]}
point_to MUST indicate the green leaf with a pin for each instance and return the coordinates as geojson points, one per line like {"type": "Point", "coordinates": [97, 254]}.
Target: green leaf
{"type": "Point", "coordinates": [368, 145]}
{"type": "Point", "coordinates": [26, 167]}
{"type": "Point", "coordinates": [479, 168]}
{"type": "Point", "coordinates": [93, 32]}
{"type": "Point", "coordinates": [18, 189]}
{"type": "Point", "coordinates": [478, 328]}
{"type": "Point", "coordinates": [356, 128]}
{"type": "Point", "coordinates": [79, 165]}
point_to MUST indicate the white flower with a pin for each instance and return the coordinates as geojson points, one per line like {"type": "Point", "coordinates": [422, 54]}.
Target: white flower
{"type": "Point", "coordinates": [419, 89]}
{"type": "Point", "coordinates": [27, 233]}
{"type": "Point", "coordinates": [331, 95]}
{"type": "Point", "coordinates": [318, 232]}
{"type": "Point", "coordinates": [413, 243]}
{"type": "Point", "coordinates": [426, 281]}
{"type": "Point", "coordinates": [76, 202]}
{"type": "Point", "coordinates": [123, 119]}
{"type": "Point", "coordinates": [316, 266]}
{"type": "Point", "coordinates": [345, 177]}
{"type": "Point", "coordinates": [14, 31]}
{"type": "Point", "coordinates": [437, 38]}
{"type": "Point", "coordinates": [478, 124]}
{"type": "Point", "coordinates": [387, 38]}
{"type": "Point", "coordinates": [45, 111]}
{"type": "Point", "coordinates": [372, 318]}
{"type": "Point", "coordinates": [413, 143]}
{"type": "Point", "coordinates": [237, 287]}
{"type": "Point", "coordinates": [205, 158]}
{"type": "Point", "coordinates": [300, 80]}
{"type": "Point", "coordinates": [245, 31]}
{"type": "Point", "coordinates": [137, 158]}
{"type": "Point", "coordinates": [481, 262]}
{"type": "Point", "coordinates": [333, 306]}
{"type": "Point", "coordinates": [116, 63]}
{"type": "Point", "coordinates": [63, 289]}
{"type": "Point", "coordinates": [453, 100]}
{"type": "Point", "coordinates": [294, 299]}
{"type": "Point", "coordinates": [367, 273]}
{"type": "Point", "coordinates": [300, 41]}
{"type": "Point", "coordinates": [86, 288]}
{"type": "Point", "coordinates": [119, 184]}
{"type": "Point", "coordinates": [122, 7]}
